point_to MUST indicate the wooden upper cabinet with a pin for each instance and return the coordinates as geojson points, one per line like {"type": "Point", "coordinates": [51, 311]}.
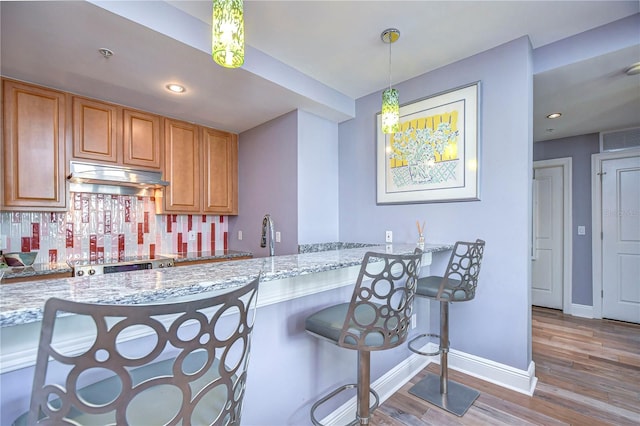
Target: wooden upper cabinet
{"type": "Point", "coordinates": [220, 174]}
{"type": "Point", "coordinates": [108, 133]}
{"type": "Point", "coordinates": [201, 165]}
{"type": "Point", "coordinates": [142, 140]}
{"type": "Point", "coordinates": [182, 167]}
{"type": "Point", "coordinates": [34, 148]}
{"type": "Point", "coordinates": [95, 130]}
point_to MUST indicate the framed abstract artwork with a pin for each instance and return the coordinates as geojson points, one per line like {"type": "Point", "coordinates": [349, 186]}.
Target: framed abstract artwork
{"type": "Point", "coordinates": [435, 155]}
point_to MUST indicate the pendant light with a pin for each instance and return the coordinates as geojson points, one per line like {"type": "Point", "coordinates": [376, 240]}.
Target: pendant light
{"type": "Point", "coordinates": [390, 98]}
{"type": "Point", "coordinates": [227, 33]}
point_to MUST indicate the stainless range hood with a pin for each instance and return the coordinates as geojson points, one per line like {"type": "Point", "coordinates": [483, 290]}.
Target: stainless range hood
{"type": "Point", "coordinates": [105, 179]}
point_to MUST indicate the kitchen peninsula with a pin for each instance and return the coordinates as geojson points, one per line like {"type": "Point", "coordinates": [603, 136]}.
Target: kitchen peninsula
{"type": "Point", "coordinates": [291, 288]}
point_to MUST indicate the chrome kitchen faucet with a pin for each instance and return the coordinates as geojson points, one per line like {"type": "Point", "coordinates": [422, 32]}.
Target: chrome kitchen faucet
{"type": "Point", "coordinates": [267, 221]}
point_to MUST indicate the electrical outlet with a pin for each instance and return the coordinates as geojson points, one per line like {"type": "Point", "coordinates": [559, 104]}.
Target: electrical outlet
{"type": "Point", "coordinates": [581, 230]}
{"type": "Point", "coordinates": [277, 237]}
{"type": "Point", "coordinates": [388, 237]}
{"type": "Point", "coordinates": [239, 235]}
{"type": "Point", "coordinates": [192, 235]}
{"type": "Point", "coordinates": [414, 321]}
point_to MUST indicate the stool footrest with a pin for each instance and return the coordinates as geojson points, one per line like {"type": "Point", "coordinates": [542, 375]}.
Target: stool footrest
{"type": "Point", "coordinates": [336, 392]}
{"type": "Point", "coordinates": [421, 336]}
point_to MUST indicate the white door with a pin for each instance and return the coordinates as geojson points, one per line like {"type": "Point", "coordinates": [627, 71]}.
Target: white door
{"type": "Point", "coordinates": [621, 239]}
{"type": "Point", "coordinates": [547, 262]}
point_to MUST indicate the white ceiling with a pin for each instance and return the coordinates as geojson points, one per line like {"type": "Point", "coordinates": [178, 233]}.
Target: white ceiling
{"type": "Point", "coordinates": [314, 55]}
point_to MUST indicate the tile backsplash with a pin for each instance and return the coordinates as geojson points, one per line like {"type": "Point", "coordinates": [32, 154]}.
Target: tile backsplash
{"type": "Point", "coordinates": [102, 227]}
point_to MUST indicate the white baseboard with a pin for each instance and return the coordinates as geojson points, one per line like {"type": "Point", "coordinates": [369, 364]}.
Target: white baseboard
{"type": "Point", "coordinates": [583, 311]}
{"type": "Point", "coordinates": [523, 381]}
{"type": "Point", "coordinates": [500, 374]}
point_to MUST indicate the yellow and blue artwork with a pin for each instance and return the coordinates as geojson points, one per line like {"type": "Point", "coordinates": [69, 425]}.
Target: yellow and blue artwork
{"type": "Point", "coordinates": [433, 157]}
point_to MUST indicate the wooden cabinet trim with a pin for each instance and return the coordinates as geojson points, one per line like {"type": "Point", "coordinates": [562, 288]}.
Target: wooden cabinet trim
{"type": "Point", "coordinates": [220, 158]}
{"type": "Point", "coordinates": [142, 143]}
{"type": "Point", "coordinates": [33, 185]}
{"type": "Point", "coordinates": [182, 167]}
{"type": "Point", "coordinates": [95, 130]}
{"type": "Point", "coordinates": [37, 278]}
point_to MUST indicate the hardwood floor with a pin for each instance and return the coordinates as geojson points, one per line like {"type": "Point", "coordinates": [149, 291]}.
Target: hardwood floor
{"type": "Point", "coordinates": [588, 374]}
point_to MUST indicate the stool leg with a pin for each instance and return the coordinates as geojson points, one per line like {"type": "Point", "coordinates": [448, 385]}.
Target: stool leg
{"type": "Point", "coordinates": [439, 390]}
{"type": "Point", "coordinates": [444, 347]}
{"type": "Point", "coordinates": [364, 380]}
{"type": "Point", "coordinates": [363, 393]}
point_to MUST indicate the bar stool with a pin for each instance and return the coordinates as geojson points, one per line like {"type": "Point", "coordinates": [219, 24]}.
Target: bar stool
{"type": "Point", "coordinates": [457, 285]}
{"type": "Point", "coordinates": [377, 318]}
{"type": "Point", "coordinates": [189, 368]}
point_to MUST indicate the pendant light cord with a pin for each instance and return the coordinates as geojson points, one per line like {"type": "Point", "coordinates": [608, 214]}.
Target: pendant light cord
{"type": "Point", "coordinates": [390, 42]}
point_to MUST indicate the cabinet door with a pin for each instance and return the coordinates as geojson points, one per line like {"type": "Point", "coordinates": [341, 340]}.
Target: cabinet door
{"type": "Point", "coordinates": [220, 174]}
{"type": "Point", "coordinates": [141, 139]}
{"type": "Point", "coordinates": [34, 148]}
{"type": "Point", "coordinates": [95, 130]}
{"type": "Point", "coordinates": [181, 167]}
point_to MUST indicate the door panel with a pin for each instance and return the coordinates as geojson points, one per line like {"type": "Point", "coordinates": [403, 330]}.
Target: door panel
{"type": "Point", "coordinates": [547, 265]}
{"type": "Point", "coordinates": [621, 239]}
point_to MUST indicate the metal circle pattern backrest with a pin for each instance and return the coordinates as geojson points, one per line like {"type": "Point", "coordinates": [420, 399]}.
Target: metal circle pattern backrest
{"type": "Point", "coordinates": [175, 363]}
{"type": "Point", "coordinates": [381, 305]}
{"type": "Point", "coordinates": [461, 278]}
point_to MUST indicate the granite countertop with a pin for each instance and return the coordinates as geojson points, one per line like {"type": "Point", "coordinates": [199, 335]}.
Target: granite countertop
{"type": "Point", "coordinates": [44, 269]}
{"type": "Point", "coordinates": [208, 255]}
{"type": "Point", "coordinates": [22, 303]}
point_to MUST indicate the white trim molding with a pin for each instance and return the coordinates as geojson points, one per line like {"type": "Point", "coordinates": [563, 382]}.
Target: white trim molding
{"type": "Point", "coordinates": [582, 311]}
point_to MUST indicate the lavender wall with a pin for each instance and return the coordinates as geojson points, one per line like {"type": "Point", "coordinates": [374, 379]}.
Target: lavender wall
{"type": "Point", "coordinates": [496, 325]}
{"type": "Point", "coordinates": [317, 179]}
{"type": "Point", "coordinates": [267, 183]}
{"type": "Point", "coordinates": [579, 148]}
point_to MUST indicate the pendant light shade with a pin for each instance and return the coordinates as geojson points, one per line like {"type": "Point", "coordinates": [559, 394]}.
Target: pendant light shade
{"type": "Point", "coordinates": [227, 33]}
{"type": "Point", "coordinates": [390, 97]}
{"type": "Point", "coordinates": [390, 111]}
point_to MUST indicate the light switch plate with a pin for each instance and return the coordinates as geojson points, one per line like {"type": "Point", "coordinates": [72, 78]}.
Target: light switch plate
{"type": "Point", "coordinates": [277, 237]}
{"type": "Point", "coordinates": [239, 235]}
{"type": "Point", "coordinates": [581, 230]}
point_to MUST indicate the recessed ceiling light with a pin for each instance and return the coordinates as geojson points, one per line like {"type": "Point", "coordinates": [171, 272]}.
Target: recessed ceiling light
{"type": "Point", "coordinates": [554, 115]}
{"type": "Point", "coordinates": [175, 88]}
{"type": "Point", "coordinates": [633, 69]}
{"type": "Point", "coordinates": [107, 53]}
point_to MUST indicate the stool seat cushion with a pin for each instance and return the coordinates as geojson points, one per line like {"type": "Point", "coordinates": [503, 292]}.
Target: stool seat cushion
{"type": "Point", "coordinates": [328, 323]}
{"type": "Point", "coordinates": [429, 287]}
{"type": "Point", "coordinates": [159, 404]}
